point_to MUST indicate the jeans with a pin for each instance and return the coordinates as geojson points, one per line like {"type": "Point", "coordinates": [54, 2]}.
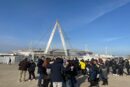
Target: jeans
{"type": "Point", "coordinates": [68, 83]}
{"type": "Point", "coordinates": [40, 79]}
{"type": "Point", "coordinates": [57, 84]}
{"type": "Point", "coordinates": [71, 82]}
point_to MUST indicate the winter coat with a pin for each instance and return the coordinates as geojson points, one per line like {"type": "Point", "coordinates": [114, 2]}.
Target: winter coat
{"type": "Point", "coordinates": [70, 73]}
{"type": "Point", "coordinates": [104, 73]}
{"type": "Point", "coordinates": [57, 70]}
{"type": "Point", "coordinates": [41, 69]}
{"type": "Point", "coordinates": [31, 67]}
{"type": "Point", "coordinates": [93, 72]}
{"type": "Point", "coordinates": [76, 64]}
{"type": "Point", "coordinates": [127, 65]}
{"type": "Point", "coordinates": [114, 65]}
{"type": "Point", "coordinates": [107, 63]}
{"type": "Point", "coordinates": [23, 65]}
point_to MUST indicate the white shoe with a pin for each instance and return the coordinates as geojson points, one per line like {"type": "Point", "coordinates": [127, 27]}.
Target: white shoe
{"type": "Point", "coordinates": [29, 80]}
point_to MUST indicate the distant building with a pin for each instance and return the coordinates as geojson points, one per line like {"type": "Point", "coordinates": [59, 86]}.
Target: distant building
{"type": "Point", "coordinates": [5, 57]}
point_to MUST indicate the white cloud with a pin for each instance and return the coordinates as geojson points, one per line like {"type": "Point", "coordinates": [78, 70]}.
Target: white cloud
{"type": "Point", "coordinates": [114, 38]}
{"type": "Point", "coordinates": [98, 11]}
{"type": "Point", "coordinates": [106, 8]}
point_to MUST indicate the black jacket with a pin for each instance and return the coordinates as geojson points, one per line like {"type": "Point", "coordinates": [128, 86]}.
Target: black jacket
{"type": "Point", "coordinates": [31, 67]}
{"type": "Point", "coordinates": [23, 65]}
{"type": "Point", "coordinates": [70, 73]}
{"type": "Point", "coordinates": [127, 65]}
{"type": "Point", "coordinates": [41, 69]}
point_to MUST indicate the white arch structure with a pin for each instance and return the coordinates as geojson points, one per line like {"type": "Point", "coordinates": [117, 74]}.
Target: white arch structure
{"type": "Point", "coordinates": [57, 26]}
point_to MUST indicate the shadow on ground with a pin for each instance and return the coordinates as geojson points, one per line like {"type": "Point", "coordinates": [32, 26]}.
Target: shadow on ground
{"type": "Point", "coordinates": [82, 79]}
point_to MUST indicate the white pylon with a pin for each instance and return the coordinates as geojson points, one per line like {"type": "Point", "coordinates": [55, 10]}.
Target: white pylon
{"type": "Point", "coordinates": [57, 26]}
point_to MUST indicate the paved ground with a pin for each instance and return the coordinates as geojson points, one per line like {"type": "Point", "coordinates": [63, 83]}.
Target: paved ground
{"type": "Point", "coordinates": [9, 78]}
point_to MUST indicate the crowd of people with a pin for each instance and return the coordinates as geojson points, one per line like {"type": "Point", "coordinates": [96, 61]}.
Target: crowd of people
{"type": "Point", "coordinates": [59, 72]}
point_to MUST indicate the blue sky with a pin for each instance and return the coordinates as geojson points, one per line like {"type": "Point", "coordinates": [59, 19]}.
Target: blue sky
{"type": "Point", "coordinates": [94, 24]}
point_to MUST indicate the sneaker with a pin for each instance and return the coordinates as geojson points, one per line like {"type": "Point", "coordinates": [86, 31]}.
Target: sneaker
{"type": "Point", "coordinates": [34, 79]}
{"type": "Point", "coordinates": [29, 80]}
{"type": "Point", "coordinates": [20, 81]}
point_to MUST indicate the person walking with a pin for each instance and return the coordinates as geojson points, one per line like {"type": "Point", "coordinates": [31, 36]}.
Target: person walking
{"type": "Point", "coordinates": [9, 61]}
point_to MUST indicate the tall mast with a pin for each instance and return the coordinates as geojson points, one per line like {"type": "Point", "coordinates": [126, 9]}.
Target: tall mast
{"type": "Point", "coordinates": [57, 26]}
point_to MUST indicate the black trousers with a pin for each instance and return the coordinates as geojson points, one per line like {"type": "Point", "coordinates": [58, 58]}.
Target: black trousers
{"type": "Point", "coordinates": [120, 71]}
{"type": "Point", "coordinates": [83, 71]}
{"type": "Point", "coordinates": [114, 71]}
{"type": "Point", "coordinates": [94, 83]}
{"type": "Point", "coordinates": [31, 74]}
{"type": "Point", "coordinates": [45, 83]}
{"type": "Point", "coordinates": [108, 70]}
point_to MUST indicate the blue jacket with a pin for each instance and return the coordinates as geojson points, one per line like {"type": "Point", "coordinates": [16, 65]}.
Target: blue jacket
{"type": "Point", "coordinates": [57, 70]}
{"type": "Point", "coordinates": [94, 71]}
